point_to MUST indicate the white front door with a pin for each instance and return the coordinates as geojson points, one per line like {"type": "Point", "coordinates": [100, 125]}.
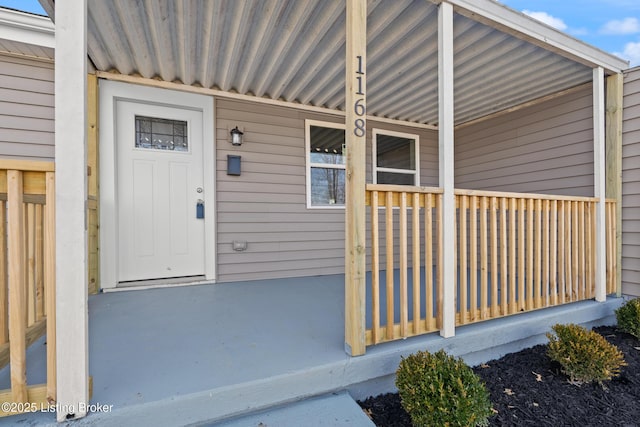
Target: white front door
{"type": "Point", "coordinates": [161, 231]}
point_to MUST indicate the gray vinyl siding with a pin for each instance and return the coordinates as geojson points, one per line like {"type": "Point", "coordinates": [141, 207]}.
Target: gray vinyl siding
{"type": "Point", "coordinates": [26, 108]}
{"type": "Point", "coordinates": [266, 205]}
{"type": "Point", "coordinates": [631, 184]}
{"type": "Point", "coordinates": [546, 148]}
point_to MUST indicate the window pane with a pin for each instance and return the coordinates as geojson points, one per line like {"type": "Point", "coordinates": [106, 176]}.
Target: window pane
{"type": "Point", "coordinates": [161, 134]}
{"type": "Point", "coordinates": [327, 186]}
{"type": "Point", "coordinates": [396, 178]}
{"type": "Point", "coordinates": [395, 152]}
{"type": "Point", "coordinates": [326, 145]}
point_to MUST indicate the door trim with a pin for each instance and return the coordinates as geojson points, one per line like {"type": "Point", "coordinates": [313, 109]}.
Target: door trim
{"type": "Point", "coordinates": [111, 92]}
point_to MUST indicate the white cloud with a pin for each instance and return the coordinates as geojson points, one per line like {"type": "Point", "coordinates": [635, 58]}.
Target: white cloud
{"type": "Point", "coordinates": [624, 26]}
{"type": "Point", "coordinates": [547, 19]}
{"type": "Point", "coordinates": [631, 52]}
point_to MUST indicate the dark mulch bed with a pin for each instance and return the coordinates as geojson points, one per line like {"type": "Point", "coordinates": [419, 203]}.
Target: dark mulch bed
{"type": "Point", "coordinates": [528, 389]}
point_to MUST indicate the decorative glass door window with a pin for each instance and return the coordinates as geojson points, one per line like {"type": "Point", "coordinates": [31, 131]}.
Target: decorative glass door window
{"type": "Point", "coordinates": [161, 134]}
{"type": "Point", "coordinates": [395, 158]}
{"type": "Point", "coordinates": [325, 164]}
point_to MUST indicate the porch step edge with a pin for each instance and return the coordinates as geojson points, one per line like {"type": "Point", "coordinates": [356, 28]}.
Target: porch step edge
{"type": "Point", "coordinates": [331, 410]}
{"type": "Point", "coordinates": [362, 376]}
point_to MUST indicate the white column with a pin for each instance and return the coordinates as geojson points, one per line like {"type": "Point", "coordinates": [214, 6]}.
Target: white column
{"type": "Point", "coordinates": [446, 166]}
{"type": "Point", "coordinates": [356, 138]}
{"type": "Point", "coordinates": [599, 172]}
{"type": "Point", "coordinates": [71, 188]}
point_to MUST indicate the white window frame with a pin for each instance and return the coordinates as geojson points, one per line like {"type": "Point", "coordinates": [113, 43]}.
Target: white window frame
{"type": "Point", "coordinates": [307, 138]}
{"type": "Point", "coordinates": [374, 159]}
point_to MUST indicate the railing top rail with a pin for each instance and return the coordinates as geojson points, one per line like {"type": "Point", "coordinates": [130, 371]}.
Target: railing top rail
{"type": "Point", "coordinates": [479, 193]}
{"type": "Point", "coordinates": [403, 188]}
{"type": "Point", "coordinates": [483, 193]}
{"type": "Point", "coordinates": [27, 165]}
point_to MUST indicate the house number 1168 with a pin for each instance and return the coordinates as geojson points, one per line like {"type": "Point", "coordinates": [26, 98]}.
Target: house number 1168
{"type": "Point", "coordinates": [359, 108]}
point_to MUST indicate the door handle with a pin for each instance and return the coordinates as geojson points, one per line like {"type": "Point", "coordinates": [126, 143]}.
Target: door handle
{"type": "Point", "coordinates": [200, 209]}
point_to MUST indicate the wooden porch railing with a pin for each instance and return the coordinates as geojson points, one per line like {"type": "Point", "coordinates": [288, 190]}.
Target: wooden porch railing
{"type": "Point", "coordinates": [27, 276]}
{"type": "Point", "coordinates": [414, 253]}
{"type": "Point", "coordinates": [515, 252]}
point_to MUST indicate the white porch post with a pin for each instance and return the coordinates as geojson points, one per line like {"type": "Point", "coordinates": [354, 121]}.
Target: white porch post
{"type": "Point", "coordinates": [599, 168]}
{"type": "Point", "coordinates": [446, 166]}
{"type": "Point", "coordinates": [71, 191]}
{"type": "Point", "coordinates": [356, 137]}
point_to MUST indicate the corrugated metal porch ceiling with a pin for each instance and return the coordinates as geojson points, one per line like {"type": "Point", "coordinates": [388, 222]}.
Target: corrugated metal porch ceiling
{"type": "Point", "coordinates": [295, 51]}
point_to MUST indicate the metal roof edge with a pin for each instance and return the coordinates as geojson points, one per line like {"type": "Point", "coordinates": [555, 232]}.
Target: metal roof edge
{"type": "Point", "coordinates": [49, 8]}
{"type": "Point", "coordinates": [26, 28]}
{"type": "Point", "coordinates": [499, 16]}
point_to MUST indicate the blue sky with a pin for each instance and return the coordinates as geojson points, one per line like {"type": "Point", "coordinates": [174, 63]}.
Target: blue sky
{"type": "Point", "coordinates": [611, 25]}
{"type": "Point", "coordinates": [27, 5]}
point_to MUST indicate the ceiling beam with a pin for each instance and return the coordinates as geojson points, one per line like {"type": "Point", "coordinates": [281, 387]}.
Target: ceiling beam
{"type": "Point", "coordinates": [238, 96]}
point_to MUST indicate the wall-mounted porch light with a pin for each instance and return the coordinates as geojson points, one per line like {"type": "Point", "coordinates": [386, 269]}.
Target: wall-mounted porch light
{"type": "Point", "coordinates": [236, 136]}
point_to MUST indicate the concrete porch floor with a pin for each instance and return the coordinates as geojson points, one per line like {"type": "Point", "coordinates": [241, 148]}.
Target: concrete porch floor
{"type": "Point", "coordinates": [199, 354]}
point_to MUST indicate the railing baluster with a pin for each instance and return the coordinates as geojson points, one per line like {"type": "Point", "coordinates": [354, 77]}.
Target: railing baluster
{"type": "Point", "coordinates": [561, 252]}
{"type": "Point", "coordinates": [39, 264]}
{"type": "Point", "coordinates": [428, 261]}
{"type": "Point", "coordinates": [575, 252]}
{"type": "Point", "coordinates": [375, 269]}
{"type": "Point", "coordinates": [404, 312]}
{"type": "Point", "coordinates": [30, 236]}
{"type": "Point", "coordinates": [521, 259]}
{"type": "Point", "coordinates": [17, 297]}
{"type": "Point", "coordinates": [415, 239]}
{"type": "Point", "coordinates": [568, 268]}
{"type": "Point", "coordinates": [484, 282]}
{"type": "Point", "coordinates": [503, 257]}
{"type": "Point", "coordinates": [589, 251]}
{"type": "Point", "coordinates": [594, 207]}
{"type": "Point", "coordinates": [581, 259]}
{"type": "Point", "coordinates": [512, 256]}
{"type": "Point", "coordinates": [473, 257]}
{"type": "Point", "coordinates": [529, 295]}
{"type": "Point", "coordinates": [390, 266]}
{"type": "Point", "coordinates": [538, 281]}
{"type": "Point", "coordinates": [50, 282]}
{"type": "Point", "coordinates": [463, 248]}
{"type": "Point", "coordinates": [545, 283]}
{"type": "Point", "coordinates": [4, 302]}
{"type": "Point", "coordinates": [553, 253]}
{"type": "Point", "coordinates": [493, 219]}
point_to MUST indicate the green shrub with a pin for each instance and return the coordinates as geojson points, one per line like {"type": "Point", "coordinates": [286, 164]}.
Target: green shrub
{"type": "Point", "coordinates": [629, 317]}
{"type": "Point", "coordinates": [440, 390]}
{"type": "Point", "coordinates": [585, 355]}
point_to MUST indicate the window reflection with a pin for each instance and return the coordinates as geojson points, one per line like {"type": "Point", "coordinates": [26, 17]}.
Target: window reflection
{"type": "Point", "coordinates": [161, 134]}
{"type": "Point", "coordinates": [327, 159]}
